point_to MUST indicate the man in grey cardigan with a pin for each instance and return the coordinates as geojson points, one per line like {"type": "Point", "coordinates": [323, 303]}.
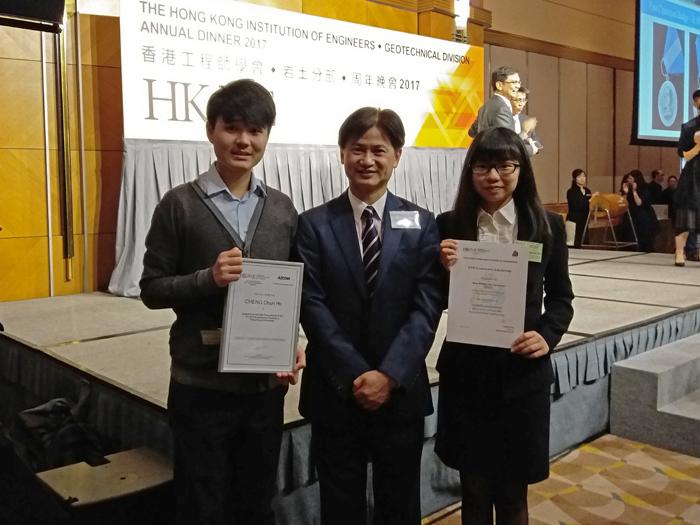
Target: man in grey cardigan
{"type": "Point", "coordinates": [226, 428]}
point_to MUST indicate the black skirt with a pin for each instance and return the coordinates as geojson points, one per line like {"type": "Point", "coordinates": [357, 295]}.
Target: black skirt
{"type": "Point", "coordinates": [686, 199]}
{"type": "Point", "coordinates": [497, 439]}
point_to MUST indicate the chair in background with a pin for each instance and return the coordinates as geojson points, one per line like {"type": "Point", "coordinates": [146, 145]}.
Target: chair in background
{"type": "Point", "coordinates": [607, 210]}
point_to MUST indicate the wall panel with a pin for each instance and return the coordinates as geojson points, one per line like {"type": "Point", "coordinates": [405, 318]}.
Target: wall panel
{"type": "Point", "coordinates": [23, 194]}
{"type": "Point", "coordinates": [626, 155]}
{"type": "Point", "coordinates": [22, 119]}
{"type": "Point", "coordinates": [101, 260]}
{"type": "Point", "coordinates": [102, 185]}
{"type": "Point", "coordinates": [544, 104]}
{"type": "Point", "coordinates": [99, 41]}
{"type": "Point", "coordinates": [23, 268]}
{"type": "Point", "coordinates": [19, 44]}
{"type": "Point", "coordinates": [602, 26]}
{"type": "Point", "coordinates": [600, 131]}
{"type": "Point", "coordinates": [649, 160]}
{"type": "Point", "coordinates": [289, 5]}
{"type": "Point", "coordinates": [348, 10]}
{"type": "Point", "coordinates": [501, 56]}
{"type": "Point", "coordinates": [670, 161]}
{"type": "Point", "coordinates": [389, 17]}
{"type": "Point", "coordinates": [573, 107]}
{"type": "Point", "coordinates": [102, 108]}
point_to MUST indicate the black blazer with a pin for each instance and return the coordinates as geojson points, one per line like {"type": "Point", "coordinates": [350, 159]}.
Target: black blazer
{"type": "Point", "coordinates": [497, 373]}
{"type": "Point", "coordinates": [578, 204]}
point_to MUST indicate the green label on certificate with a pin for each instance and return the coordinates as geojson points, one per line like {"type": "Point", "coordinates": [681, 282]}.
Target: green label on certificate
{"type": "Point", "coordinates": [534, 250]}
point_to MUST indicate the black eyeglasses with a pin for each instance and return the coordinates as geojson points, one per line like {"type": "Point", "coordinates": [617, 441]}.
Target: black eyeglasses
{"type": "Point", "coordinates": [503, 168]}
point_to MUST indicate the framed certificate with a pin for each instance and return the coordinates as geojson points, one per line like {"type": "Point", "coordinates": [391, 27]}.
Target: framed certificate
{"type": "Point", "coordinates": [486, 305]}
{"type": "Point", "coordinates": [261, 318]}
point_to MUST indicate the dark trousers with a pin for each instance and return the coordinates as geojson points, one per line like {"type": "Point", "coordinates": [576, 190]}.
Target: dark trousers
{"type": "Point", "coordinates": [691, 245]}
{"type": "Point", "coordinates": [226, 454]}
{"type": "Point", "coordinates": [481, 496]}
{"type": "Point", "coordinates": [342, 454]}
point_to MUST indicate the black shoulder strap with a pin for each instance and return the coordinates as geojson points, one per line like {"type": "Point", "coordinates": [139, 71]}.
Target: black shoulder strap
{"type": "Point", "coordinates": [218, 215]}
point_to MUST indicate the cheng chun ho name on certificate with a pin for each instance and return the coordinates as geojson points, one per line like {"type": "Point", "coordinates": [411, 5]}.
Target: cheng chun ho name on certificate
{"type": "Point", "coordinates": [261, 318]}
{"type": "Point", "coordinates": [486, 304]}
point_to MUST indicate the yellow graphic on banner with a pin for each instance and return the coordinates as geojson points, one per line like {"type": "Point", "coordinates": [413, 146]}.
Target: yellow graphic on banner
{"type": "Point", "coordinates": [456, 101]}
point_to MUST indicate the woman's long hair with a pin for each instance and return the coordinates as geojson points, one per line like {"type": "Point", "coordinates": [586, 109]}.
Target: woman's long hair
{"type": "Point", "coordinates": [636, 177]}
{"type": "Point", "coordinates": [500, 145]}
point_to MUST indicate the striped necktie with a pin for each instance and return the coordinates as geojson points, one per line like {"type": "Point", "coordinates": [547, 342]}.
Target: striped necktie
{"type": "Point", "coordinates": [371, 248]}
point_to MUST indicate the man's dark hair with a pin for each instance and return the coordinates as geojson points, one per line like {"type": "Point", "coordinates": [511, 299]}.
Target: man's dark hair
{"type": "Point", "coordinates": [243, 100]}
{"type": "Point", "coordinates": [671, 177]}
{"type": "Point", "coordinates": [655, 173]}
{"type": "Point", "coordinates": [524, 90]}
{"type": "Point", "coordinates": [696, 94]}
{"type": "Point", "coordinates": [501, 74]}
{"type": "Point", "coordinates": [360, 120]}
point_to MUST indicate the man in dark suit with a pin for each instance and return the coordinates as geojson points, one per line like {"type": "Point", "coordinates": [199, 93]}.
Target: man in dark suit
{"type": "Point", "coordinates": [370, 306]}
{"type": "Point", "coordinates": [498, 110]}
{"type": "Point", "coordinates": [655, 187]}
{"type": "Point", "coordinates": [524, 124]}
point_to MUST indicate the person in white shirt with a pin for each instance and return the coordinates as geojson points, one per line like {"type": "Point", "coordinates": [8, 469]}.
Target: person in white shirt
{"type": "Point", "coordinates": [494, 403]}
{"type": "Point", "coordinates": [524, 124]}
{"type": "Point", "coordinates": [498, 110]}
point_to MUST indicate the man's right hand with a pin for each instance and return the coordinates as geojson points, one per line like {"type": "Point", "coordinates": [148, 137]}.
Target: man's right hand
{"type": "Point", "coordinates": [228, 267]}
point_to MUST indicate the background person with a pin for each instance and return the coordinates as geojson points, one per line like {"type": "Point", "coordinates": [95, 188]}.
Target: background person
{"type": "Point", "coordinates": [578, 197]}
{"type": "Point", "coordinates": [493, 412]}
{"type": "Point", "coordinates": [655, 187]}
{"type": "Point", "coordinates": [668, 197]}
{"type": "Point", "coordinates": [687, 198]}
{"type": "Point", "coordinates": [524, 124]}
{"type": "Point", "coordinates": [643, 217]}
{"type": "Point", "coordinates": [498, 110]}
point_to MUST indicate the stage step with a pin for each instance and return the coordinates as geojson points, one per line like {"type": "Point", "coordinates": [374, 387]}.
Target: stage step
{"type": "Point", "coordinates": [655, 397]}
{"type": "Point", "coordinates": [687, 407]}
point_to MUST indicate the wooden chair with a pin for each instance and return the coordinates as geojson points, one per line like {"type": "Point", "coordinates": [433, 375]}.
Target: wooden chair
{"type": "Point", "coordinates": [608, 209]}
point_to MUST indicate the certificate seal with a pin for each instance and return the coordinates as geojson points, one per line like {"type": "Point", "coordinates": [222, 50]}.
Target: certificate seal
{"type": "Point", "coordinates": [667, 103]}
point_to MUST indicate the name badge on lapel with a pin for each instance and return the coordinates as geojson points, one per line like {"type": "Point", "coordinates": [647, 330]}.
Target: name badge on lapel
{"type": "Point", "coordinates": [405, 220]}
{"type": "Point", "coordinates": [534, 250]}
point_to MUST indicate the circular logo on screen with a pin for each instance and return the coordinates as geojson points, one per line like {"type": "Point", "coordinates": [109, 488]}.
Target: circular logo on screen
{"type": "Point", "coordinates": [667, 103]}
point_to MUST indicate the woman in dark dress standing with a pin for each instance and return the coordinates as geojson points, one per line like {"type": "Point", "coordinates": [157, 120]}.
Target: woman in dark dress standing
{"type": "Point", "coordinates": [687, 197]}
{"type": "Point", "coordinates": [646, 225]}
{"type": "Point", "coordinates": [578, 198]}
{"type": "Point", "coordinates": [494, 403]}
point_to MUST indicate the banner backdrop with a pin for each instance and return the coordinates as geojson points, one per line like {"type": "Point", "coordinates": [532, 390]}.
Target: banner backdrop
{"type": "Point", "coordinates": [175, 53]}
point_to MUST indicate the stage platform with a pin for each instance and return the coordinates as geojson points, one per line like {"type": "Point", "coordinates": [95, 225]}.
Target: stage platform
{"type": "Point", "coordinates": [626, 303]}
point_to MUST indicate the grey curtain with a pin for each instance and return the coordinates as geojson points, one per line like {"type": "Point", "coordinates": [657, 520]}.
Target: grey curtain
{"type": "Point", "coordinates": [310, 175]}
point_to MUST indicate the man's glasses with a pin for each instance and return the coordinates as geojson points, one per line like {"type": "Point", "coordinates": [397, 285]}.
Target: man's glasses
{"type": "Point", "coordinates": [503, 168]}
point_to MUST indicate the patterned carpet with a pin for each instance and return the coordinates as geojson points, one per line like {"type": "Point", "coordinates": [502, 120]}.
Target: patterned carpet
{"type": "Point", "coordinates": [615, 481]}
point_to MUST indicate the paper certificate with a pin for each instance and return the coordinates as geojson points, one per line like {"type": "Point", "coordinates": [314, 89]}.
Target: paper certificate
{"type": "Point", "coordinates": [261, 318]}
{"type": "Point", "coordinates": [486, 305]}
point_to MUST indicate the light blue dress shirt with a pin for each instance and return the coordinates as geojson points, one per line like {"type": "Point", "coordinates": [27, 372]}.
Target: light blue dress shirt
{"type": "Point", "coordinates": [237, 211]}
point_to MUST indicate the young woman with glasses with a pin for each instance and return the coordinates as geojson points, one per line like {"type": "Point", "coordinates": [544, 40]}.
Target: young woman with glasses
{"type": "Point", "coordinates": [494, 403]}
